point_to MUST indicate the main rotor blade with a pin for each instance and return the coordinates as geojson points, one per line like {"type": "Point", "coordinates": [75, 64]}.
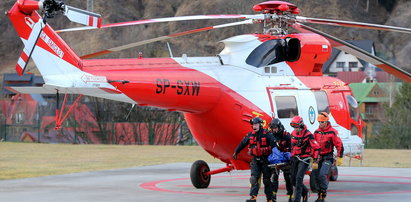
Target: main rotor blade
{"type": "Point", "coordinates": [358, 52]}
{"type": "Point", "coordinates": [352, 24]}
{"type": "Point", "coordinates": [83, 17]}
{"type": "Point", "coordinates": [168, 19]}
{"type": "Point", "coordinates": [132, 45]}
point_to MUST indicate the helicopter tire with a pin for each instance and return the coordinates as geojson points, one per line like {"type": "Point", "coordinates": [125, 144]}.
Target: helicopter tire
{"type": "Point", "coordinates": [333, 174]}
{"type": "Point", "coordinates": [314, 181]}
{"type": "Point", "coordinates": [197, 174]}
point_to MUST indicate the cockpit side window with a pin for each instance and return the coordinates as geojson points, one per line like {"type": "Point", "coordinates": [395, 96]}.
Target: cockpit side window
{"type": "Point", "coordinates": [322, 101]}
{"type": "Point", "coordinates": [267, 53]}
{"type": "Point", "coordinates": [353, 106]}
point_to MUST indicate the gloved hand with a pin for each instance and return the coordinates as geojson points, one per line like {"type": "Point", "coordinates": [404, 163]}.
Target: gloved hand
{"type": "Point", "coordinates": [339, 161]}
{"type": "Point", "coordinates": [235, 156]}
{"type": "Point", "coordinates": [314, 166]}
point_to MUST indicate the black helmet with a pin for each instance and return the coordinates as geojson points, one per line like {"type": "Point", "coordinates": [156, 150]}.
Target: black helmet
{"type": "Point", "coordinates": [276, 123]}
{"type": "Point", "coordinates": [256, 120]}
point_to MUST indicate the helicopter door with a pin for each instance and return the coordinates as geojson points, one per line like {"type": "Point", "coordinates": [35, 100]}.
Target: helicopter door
{"type": "Point", "coordinates": [308, 109]}
{"type": "Point", "coordinates": [285, 104]}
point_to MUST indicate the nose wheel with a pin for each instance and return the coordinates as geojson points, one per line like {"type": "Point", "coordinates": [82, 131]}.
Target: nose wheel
{"type": "Point", "coordinates": [199, 174]}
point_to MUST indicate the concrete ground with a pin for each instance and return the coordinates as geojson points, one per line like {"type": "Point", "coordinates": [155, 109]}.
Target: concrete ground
{"type": "Point", "coordinates": [171, 182]}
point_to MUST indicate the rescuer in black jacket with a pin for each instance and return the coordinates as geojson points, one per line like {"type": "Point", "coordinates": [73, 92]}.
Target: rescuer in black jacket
{"type": "Point", "coordinates": [260, 143]}
{"type": "Point", "coordinates": [283, 139]}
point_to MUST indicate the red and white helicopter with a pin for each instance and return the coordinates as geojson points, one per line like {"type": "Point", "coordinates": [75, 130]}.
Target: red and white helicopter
{"type": "Point", "coordinates": [272, 74]}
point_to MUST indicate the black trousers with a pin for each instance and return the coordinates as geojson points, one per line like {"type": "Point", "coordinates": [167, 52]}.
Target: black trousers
{"type": "Point", "coordinates": [258, 166]}
{"type": "Point", "coordinates": [298, 169]}
{"type": "Point", "coordinates": [324, 167]}
{"type": "Point", "coordinates": [287, 177]}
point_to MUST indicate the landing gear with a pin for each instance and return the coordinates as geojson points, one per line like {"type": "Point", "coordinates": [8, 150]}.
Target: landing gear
{"type": "Point", "coordinates": [199, 174]}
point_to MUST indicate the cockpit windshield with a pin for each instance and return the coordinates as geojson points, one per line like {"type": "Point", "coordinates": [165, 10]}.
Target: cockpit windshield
{"type": "Point", "coordinates": [269, 52]}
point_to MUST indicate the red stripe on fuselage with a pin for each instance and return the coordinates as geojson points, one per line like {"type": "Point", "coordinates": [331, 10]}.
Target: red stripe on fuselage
{"type": "Point", "coordinates": [331, 85]}
{"type": "Point", "coordinates": [217, 114]}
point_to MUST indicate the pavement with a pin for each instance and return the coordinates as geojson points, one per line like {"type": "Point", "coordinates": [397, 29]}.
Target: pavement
{"type": "Point", "coordinates": [171, 182]}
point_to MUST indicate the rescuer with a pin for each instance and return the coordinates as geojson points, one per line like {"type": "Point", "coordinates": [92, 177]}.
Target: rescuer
{"type": "Point", "coordinates": [327, 137]}
{"type": "Point", "coordinates": [260, 142]}
{"type": "Point", "coordinates": [304, 149]}
{"type": "Point", "coordinates": [283, 139]}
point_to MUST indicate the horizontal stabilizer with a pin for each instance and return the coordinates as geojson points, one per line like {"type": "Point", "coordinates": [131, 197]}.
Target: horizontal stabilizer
{"type": "Point", "coordinates": [49, 89]}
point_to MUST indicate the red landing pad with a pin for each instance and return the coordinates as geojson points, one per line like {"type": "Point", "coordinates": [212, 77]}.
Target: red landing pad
{"type": "Point", "coordinates": [237, 185]}
{"type": "Point", "coordinates": [171, 182]}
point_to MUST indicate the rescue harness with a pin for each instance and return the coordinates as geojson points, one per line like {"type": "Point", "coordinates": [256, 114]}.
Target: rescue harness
{"type": "Point", "coordinates": [259, 147]}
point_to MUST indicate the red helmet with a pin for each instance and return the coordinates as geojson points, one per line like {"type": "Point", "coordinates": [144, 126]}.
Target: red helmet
{"type": "Point", "coordinates": [297, 122]}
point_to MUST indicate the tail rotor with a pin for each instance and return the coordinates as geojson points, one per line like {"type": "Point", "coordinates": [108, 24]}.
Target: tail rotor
{"type": "Point", "coordinates": [50, 8]}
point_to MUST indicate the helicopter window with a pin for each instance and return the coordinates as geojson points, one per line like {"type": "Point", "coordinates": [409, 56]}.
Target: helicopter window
{"type": "Point", "coordinates": [286, 106]}
{"type": "Point", "coordinates": [340, 64]}
{"type": "Point", "coordinates": [271, 70]}
{"type": "Point", "coordinates": [352, 102]}
{"type": "Point", "coordinates": [267, 53]}
{"type": "Point", "coordinates": [322, 101]}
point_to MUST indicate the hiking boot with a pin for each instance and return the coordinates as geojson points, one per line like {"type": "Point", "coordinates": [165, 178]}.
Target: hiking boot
{"type": "Point", "coordinates": [252, 199]}
{"type": "Point", "coordinates": [321, 196]}
{"type": "Point", "coordinates": [290, 198]}
{"type": "Point", "coordinates": [306, 196]}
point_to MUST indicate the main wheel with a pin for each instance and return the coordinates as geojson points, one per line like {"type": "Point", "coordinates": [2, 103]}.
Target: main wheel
{"type": "Point", "coordinates": [314, 181]}
{"type": "Point", "coordinates": [333, 174]}
{"type": "Point", "coordinates": [198, 176]}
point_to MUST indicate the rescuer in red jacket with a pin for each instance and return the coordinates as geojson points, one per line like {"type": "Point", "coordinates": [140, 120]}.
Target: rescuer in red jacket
{"type": "Point", "coordinates": [304, 148]}
{"type": "Point", "coordinates": [260, 143]}
{"type": "Point", "coordinates": [328, 138]}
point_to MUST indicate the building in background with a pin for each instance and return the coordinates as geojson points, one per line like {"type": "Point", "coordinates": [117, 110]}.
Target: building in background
{"type": "Point", "coordinates": [371, 97]}
{"type": "Point", "coordinates": [343, 62]}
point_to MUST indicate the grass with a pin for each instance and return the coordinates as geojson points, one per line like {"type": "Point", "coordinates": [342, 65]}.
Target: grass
{"type": "Point", "coordinates": [23, 160]}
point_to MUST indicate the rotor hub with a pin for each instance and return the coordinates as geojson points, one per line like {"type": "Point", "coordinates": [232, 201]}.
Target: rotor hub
{"type": "Point", "coordinates": [277, 7]}
{"type": "Point", "coordinates": [277, 16]}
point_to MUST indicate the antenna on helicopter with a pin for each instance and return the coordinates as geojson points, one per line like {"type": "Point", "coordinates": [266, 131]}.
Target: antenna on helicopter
{"type": "Point", "coordinates": [169, 50]}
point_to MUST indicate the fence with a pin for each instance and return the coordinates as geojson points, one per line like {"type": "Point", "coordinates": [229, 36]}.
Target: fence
{"type": "Point", "coordinates": [28, 120]}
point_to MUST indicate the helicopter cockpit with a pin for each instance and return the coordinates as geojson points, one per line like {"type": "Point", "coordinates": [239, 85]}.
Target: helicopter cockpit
{"type": "Point", "coordinates": [275, 51]}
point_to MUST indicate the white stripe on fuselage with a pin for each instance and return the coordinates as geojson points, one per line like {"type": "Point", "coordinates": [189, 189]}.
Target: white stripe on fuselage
{"type": "Point", "coordinates": [253, 86]}
{"type": "Point", "coordinates": [251, 82]}
{"type": "Point", "coordinates": [57, 72]}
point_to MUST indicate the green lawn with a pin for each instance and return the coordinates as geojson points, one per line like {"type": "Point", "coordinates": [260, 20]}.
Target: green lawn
{"type": "Point", "coordinates": [22, 160]}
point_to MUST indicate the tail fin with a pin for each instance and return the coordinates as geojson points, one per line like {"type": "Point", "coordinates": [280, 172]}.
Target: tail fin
{"type": "Point", "coordinates": [29, 47]}
{"type": "Point", "coordinates": [59, 66]}
{"type": "Point", "coordinates": [50, 53]}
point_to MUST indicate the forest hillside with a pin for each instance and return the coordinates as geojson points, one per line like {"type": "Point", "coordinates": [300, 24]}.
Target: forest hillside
{"type": "Point", "coordinates": [394, 47]}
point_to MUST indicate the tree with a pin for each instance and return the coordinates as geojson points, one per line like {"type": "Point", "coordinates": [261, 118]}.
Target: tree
{"type": "Point", "coordinates": [395, 132]}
